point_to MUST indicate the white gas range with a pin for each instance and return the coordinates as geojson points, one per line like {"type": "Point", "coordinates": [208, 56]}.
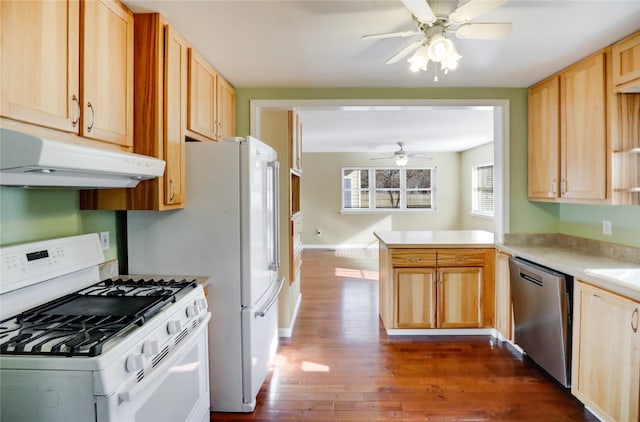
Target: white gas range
{"type": "Point", "coordinates": [74, 348]}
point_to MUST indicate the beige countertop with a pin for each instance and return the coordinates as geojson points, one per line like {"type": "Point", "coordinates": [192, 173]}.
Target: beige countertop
{"type": "Point", "coordinates": [581, 265]}
{"type": "Point", "coordinates": [609, 270]}
{"type": "Point", "coordinates": [436, 239]}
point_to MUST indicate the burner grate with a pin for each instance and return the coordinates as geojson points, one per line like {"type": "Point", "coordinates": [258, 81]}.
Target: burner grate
{"type": "Point", "coordinates": [81, 323]}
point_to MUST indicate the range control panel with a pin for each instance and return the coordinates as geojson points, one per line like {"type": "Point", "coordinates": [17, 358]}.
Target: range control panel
{"type": "Point", "coordinates": [30, 263]}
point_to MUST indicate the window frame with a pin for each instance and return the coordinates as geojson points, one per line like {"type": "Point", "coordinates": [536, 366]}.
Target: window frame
{"type": "Point", "coordinates": [372, 190]}
{"type": "Point", "coordinates": [475, 197]}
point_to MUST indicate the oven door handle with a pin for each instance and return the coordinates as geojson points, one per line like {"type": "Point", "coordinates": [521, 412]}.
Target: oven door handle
{"type": "Point", "coordinates": [160, 371]}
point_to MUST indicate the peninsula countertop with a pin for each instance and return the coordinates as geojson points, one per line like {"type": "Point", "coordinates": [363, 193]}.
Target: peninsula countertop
{"type": "Point", "coordinates": [436, 239]}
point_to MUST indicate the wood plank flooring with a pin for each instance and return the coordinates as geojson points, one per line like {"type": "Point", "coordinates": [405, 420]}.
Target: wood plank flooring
{"type": "Point", "coordinates": [339, 365]}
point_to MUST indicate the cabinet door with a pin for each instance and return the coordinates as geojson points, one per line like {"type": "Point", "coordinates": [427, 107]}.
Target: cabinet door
{"type": "Point", "coordinates": [626, 64]}
{"type": "Point", "coordinates": [460, 297]}
{"type": "Point", "coordinates": [504, 307]}
{"type": "Point", "coordinates": [416, 297]}
{"type": "Point", "coordinates": [201, 113]}
{"type": "Point", "coordinates": [107, 74]}
{"type": "Point", "coordinates": [295, 141]}
{"type": "Point", "coordinates": [606, 353]}
{"type": "Point", "coordinates": [175, 115]}
{"type": "Point", "coordinates": [544, 140]}
{"type": "Point", "coordinates": [40, 63]}
{"type": "Point", "coordinates": [583, 138]}
{"type": "Point", "coordinates": [226, 109]}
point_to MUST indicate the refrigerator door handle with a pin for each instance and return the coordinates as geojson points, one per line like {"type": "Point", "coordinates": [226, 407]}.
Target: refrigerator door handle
{"type": "Point", "coordinates": [275, 264]}
{"type": "Point", "coordinates": [261, 313]}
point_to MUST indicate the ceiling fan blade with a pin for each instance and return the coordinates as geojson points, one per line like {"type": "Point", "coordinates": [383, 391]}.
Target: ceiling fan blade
{"type": "Point", "coordinates": [484, 31]}
{"type": "Point", "coordinates": [420, 156]}
{"type": "Point", "coordinates": [400, 34]}
{"type": "Point", "coordinates": [421, 10]}
{"type": "Point", "coordinates": [473, 9]}
{"type": "Point", "coordinates": [404, 52]}
{"type": "Point", "coordinates": [382, 158]}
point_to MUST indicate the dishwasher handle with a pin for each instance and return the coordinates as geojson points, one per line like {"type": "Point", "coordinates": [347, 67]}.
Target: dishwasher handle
{"type": "Point", "coordinates": [530, 279]}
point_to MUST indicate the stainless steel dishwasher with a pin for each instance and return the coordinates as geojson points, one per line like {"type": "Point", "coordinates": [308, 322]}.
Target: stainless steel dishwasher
{"type": "Point", "coordinates": [542, 304]}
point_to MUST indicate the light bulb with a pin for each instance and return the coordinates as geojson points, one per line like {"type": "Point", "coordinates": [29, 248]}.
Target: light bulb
{"type": "Point", "coordinates": [419, 59]}
{"type": "Point", "coordinates": [439, 48]}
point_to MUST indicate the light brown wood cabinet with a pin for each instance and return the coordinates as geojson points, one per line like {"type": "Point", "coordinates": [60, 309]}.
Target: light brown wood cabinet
{"type": "Point", "coordinates": [504, 305]}
{"type": "Point", "coordinates": [626, 64]}
{"type": "Point", "coordinates": [211, 102]}
{"type": "Point", "coordinates": [437, 288]}
{"type": "Point", "coordinates": [606, 353]}
{"type": "Point", "coordinates": [295, 141]}
{"type": "Point", "coordinates": [568, 134]}
{"type": "Point", "coordinates": [160, 113]}
{"type": "Point", "coordinates": [47, 80]}
{"type": "Point", "coordinates": [295, 247]}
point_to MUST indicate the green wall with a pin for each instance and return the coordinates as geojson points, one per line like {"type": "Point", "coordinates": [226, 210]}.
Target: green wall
{"type": "Point", "coordinates": [27, 215]}
{"type": "Point", "coordinates": [34, 214]}
{"type": "Point", "coordinates": [525, 216]}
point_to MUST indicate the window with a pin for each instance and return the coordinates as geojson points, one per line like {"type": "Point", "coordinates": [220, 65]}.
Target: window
{"type": "Point", "coordinates": [482, 192]}
{"type": "Point", "coordinates": [385, 189]}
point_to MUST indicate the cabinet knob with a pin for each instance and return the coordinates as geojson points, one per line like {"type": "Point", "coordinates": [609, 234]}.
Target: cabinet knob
{"type": "Point", "coordinates": [634, 320]}
{"type": "Point", "coordinates": [172, 190]}
{"type": "Point", "coordinates": [414, 259]}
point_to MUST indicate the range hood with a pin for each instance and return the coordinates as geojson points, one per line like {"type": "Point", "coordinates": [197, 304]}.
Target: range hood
{"type": "Point", "coordinates": [27, 160]}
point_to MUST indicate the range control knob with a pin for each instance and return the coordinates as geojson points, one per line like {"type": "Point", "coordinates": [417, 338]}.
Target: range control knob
{"type": "Point", "coordinates": [201, 304]}
{"type": "Point", "coordinates": [150, 348]}
{"type": "Point", "coordinates": [192, 311]}
{"type": "Point", "coordinates": [174, 327]}
{"type": "Point", "coordinates": [135, 362]}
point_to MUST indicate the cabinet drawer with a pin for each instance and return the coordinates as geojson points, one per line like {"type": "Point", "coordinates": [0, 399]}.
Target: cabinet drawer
{"type": "Point", "coordinates": [413, 258]}
{"type": "Point", "coordinates": [460, 257]}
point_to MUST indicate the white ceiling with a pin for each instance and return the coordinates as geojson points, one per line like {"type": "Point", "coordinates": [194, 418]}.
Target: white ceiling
{"type": "Point", "coordinates": [307, 43]}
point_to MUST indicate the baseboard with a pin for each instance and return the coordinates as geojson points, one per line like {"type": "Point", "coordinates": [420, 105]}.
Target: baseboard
{"type": "Point", "coordinates": [440, 332]}
{"type": "Point", "coordinates": [341, 246]}
{"type": "Point", "coordinates": [286, 332]}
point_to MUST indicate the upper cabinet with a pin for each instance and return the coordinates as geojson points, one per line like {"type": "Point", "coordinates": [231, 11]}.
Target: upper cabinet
{"type": "Point", "coordinates": [107, 75]}
{"type": "Point", "coordinates": [626, 64]}
{"type": "Point", "coordinates": [584, 130]}
{"type": "Point", "coordinates": [568, 134]}
{"type": "Point", "coordinates": [50, 81]}
{"type": "Point", "coordinates": [211, 102]}
{"type": "Point", "coordinates": [160, 113]}
{"type": "Point", "coordinates": [226, 108]}
{"type": "Point", "coordinates": [38, 36]}
{"type": "Point", "coordinates": [544, 139]}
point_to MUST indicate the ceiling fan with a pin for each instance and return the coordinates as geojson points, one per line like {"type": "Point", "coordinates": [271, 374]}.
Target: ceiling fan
{"type": "Point", "coordinates": [437, 18]}
{"type": "Point", "coordinates": [401, 157]}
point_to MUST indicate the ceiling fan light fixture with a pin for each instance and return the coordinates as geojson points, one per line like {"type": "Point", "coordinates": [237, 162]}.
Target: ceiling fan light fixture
{"type": "Point", "coordinates": [419, 59]}
{"type": "Point", "coordinates": [440, 48]}
{"type": "Point", "coordinates": [401, 161]}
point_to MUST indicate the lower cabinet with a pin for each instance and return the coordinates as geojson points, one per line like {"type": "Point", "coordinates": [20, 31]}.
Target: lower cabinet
{"type": "Point", "coordinates": [460, 297]}
{"type": "Point", "coordinates": [606, 353]}
{"type": "Point", "coordinates": [445, 288]}
{"type": "Point", "coordinates": [504, 306]}
{"type": "Point", "coordinates": [416, 292]}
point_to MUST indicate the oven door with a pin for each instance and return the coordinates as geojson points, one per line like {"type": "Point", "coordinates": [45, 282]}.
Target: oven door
{"type": "Point", "coordinates": [176, 390]}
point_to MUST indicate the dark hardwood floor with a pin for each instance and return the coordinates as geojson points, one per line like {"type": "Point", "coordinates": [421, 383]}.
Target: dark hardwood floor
{"type": "Point", "coordinates": [340, 365]}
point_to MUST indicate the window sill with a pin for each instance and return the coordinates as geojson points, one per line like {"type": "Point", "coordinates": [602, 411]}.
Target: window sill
{"type": "Point", "coordinates": [389, 211]}
{"type": "Point", "coordinates": [480, 215]}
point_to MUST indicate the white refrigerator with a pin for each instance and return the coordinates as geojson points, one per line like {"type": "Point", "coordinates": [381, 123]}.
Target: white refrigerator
{"type": "Point", "coordinates": [229, 232]}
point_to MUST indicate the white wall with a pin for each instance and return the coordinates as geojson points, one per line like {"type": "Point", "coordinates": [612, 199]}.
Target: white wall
{"type": "Point", "coordinates": [480, 155]}
{"type": "Point", "coordinates": [321, 200]}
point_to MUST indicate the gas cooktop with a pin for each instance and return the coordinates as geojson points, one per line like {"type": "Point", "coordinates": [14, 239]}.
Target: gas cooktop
{"type": "Point", "coordinates": [81, 323]}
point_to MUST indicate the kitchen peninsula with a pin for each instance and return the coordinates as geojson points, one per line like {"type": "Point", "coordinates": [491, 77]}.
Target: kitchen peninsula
{"type": "Point", "coordinates": [434, 281]}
